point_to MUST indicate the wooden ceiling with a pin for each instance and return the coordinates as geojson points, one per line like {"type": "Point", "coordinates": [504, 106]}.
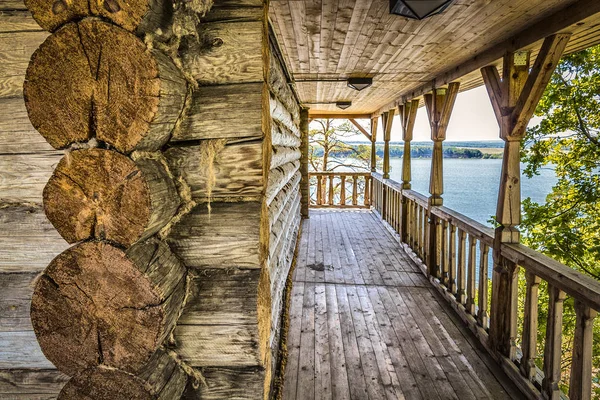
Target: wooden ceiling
{"type": "Point", "coordinates": [326, 41]}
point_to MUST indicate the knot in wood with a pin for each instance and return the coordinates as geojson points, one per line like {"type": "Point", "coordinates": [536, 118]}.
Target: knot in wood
{"type": "Point", "coordinates": [112, 6]}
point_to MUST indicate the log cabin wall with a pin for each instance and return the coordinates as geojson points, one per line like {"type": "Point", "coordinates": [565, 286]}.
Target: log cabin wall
{"type": "Point", "coordinates": [235, 158]}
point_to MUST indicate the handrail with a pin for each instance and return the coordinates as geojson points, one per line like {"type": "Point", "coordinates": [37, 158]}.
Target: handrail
{"type": "Point", "coordinates": [330, 189]}
{"type": "Point", "coordinates": [454, 251]}
{"type": "Point", "coordinates": [570, 281]}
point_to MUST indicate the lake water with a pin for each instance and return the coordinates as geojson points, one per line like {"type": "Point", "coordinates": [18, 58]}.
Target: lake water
{"type": "Point", "coordinates": [471, 185]}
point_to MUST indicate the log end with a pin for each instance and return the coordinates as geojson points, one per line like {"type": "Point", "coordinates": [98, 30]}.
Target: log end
{"type": "Point", "coordinates": [105, 384]}
{"type": "Point", "coordinates": [52, 14]}
{"type": "Point", "coordinates": [94, 306]}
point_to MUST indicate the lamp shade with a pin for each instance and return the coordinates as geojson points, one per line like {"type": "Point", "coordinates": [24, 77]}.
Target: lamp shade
{"type": "Point", "coordinates": [418, 9]}
{"type": "Point", "coordinates": [343, 104]}
{"type": "Point", "coordinates": [359, 83]}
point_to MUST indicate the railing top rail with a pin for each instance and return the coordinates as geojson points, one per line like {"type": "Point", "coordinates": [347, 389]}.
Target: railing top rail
{"type": "Point", "coordinates": [328, 173]}
{"type": "Point", "coordinates": [416, 197]}
{"type": "Point", "coordinates": [484, 233]}
{"type": "Point", "coordinates": [570, 281]}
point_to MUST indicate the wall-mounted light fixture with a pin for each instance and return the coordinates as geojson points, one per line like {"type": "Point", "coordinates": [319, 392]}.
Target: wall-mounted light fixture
{"type": "Point", "coordinates": [359, 83]}
{"type": "Point", "coordinates": [418, 9]}
{"type": "Point", "coordinates": [343, 104]}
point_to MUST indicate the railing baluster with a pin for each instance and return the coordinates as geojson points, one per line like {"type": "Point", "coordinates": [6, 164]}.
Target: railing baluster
{"type": "Point", "coordinates": [483, 285]}
{"type": "Point", "coordinates": [530, 326]}
{"type": "Point", "coordinates": [444, 252]}
{"type": "Point", "coordinates": [471, 275]}
{"type": "Point", "coordinates": [462, 278]}
{"type": "Point", "coordinates": [331, 190]}
{"type": "Point", "coordinates": [580, 386]}
{"type": "Point", "coordinates": [354, 190]}
{"type": "Point", "coordinates": [553, 347]}
{"type": "Point", "coordinates": [319, 190]}
{"type": "Point", "coordinates": [366, 198]}
{"type": "Point", "coordinates": [343, 190]}
{"type": "Point", "coordinates": [452, 260]}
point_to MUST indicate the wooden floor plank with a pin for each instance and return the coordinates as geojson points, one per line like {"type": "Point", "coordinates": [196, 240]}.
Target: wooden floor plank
{"type": "Point", "coordinates": [322, 353]}
{"type": "Point", "coordinates": [306, 369]}
{"type": "Point", "coordinates": [367, 324]}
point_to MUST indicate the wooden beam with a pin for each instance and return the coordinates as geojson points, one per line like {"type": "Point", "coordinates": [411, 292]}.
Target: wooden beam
{"type": "Point", "coordinates": [558, 22]}
{"type": "Point", "coordinates": [408, 116]}
{"type": "Point", "coordinates": [492, 81]}
{"type": "Point", "coordinates": [338, 116]}
{"type": "Point", "coordinates": [360, 128]}
{"type": "Point", "coordinates": [541, 73]}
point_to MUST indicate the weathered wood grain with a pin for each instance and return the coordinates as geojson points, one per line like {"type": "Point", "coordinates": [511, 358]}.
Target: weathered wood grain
{"type": "Point", "coordinates": [279, 177]}
{"type": "Point", "coordinates": [28, 242]}
{"type": "Point", "coordinates": [226, 53]}
{"type": "Point", "coordinates": [223, 111]}
{"type": "Point", "coordinates": [15, 302]}
{"type": "Point", "coordinates": [17, 21]}
{"type": "Point", "coordinates": [232, 383]}
{"type": "Point", "coordinates": [17, 135]}
{"type": "Point", "coordinates": [23, 176]}
{"type": "Point", "coordinates": [31, 382]}
{"type": "Point", "coordinates": [282, 136]}
{"type": "Point", "coordinates": [280, 87]}
{"type": "Point", "coordinates": [20, 350]}
{"type": "Point", "coordinates": [278, 204]}
{"type": "Point", "coordinates": [224, 237]}
{"type": "Point", "coordinates": [283, 155]}
{"type": "Point", "coordinates": [280, 113]}
{"type": "Point", "coordinates": [237, 170]}
{"type": "Point", "coordinates": [222, 297]}
{"type": "Point", "coordinates": [16, 49]}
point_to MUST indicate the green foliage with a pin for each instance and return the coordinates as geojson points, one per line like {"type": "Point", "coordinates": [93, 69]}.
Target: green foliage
{"type": "Point", "coordinates": [567, 226]}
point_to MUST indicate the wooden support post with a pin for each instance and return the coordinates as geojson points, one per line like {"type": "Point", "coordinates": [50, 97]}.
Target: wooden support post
{"type": "Point", "coordinates": [387, 119]}
{"type": "Point", "coordinates": [408, 115]}
{"type": "Point", "coordinates": [514, 99]}
{"type": "Point", "coordinates": [374, 123]}
{"type": "Point", "coordinates": [439, 106]}
{"type": "Point", "coordinates": [305, 183]}
{"type": "Point", "coordinates": [580, 386]}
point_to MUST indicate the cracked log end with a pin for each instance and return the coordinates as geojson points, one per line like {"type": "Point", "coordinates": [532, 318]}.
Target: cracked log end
{"type": "Point", "coordinates": [92, 78]}
{"type": "Point", "coordinates": [103, 194]}
{"type": "Point", "coordinates": [51, 14]}
{"type": "Point", "coordinates": [95, 305]}
{"type": "Point", "coordinates": [162, 378]}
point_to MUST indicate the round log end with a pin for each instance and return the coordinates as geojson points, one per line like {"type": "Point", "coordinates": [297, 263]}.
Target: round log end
{"type": "Point", "coordinates": [52, 14]}
{"type": "Point", "coordinates": [100, 194]}
{"type": "Point", "coordinates": [92, 306]}
{"type": "Point", "coordinates": [105, 384]}
{"type": "Point", "coordinates": [93, 78]}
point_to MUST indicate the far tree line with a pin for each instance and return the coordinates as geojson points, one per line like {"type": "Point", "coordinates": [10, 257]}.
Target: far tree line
{"type": "Point", "coordinates": [397, 151]}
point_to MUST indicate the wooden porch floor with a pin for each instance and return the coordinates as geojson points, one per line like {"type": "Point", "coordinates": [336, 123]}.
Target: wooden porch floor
{"type": "Point", "coordinates": [366, 324]}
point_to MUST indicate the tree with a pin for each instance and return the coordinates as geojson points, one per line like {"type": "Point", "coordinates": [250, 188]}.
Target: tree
{"type": "Point", "coordinates": [329, 151]}
{"type": "Point", "coordinates": [567, 226]}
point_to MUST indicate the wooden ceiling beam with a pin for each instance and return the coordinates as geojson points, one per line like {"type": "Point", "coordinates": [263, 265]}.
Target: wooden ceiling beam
{"type": "Point", "coordinates": [338, 116]}
{"type": "Point", "coordinates": [360, 128]}
{"type": "Point", "coordinates": [558, 22]}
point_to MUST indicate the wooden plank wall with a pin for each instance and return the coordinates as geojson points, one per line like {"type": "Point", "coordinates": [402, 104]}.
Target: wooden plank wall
{"type": "Point", "coordinates": [28, 242]}
{"type": "Point", "coordinates": [242, 125]}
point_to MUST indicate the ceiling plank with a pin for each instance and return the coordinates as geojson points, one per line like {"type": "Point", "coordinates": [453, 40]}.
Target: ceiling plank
{"type": "Point", "coordinates": [557, 22]}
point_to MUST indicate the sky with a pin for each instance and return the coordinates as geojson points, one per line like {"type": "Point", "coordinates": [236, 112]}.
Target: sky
{"type": "Point", "coordinates": [472, 119]}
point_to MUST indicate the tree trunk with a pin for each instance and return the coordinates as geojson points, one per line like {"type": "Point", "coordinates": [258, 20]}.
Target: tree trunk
{"type": "Point", "coordinates": [162, 378]}
{"type": "Point", "coordinates": [97, 305]}
{"type": "Point", "coordinates": [92, 78]}
{"type": "Point", "coordinates": [104, 195]}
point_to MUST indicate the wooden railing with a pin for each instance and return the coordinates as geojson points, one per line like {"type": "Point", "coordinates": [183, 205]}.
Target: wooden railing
{"type": "Point", "coordinates": [455, 252]}
{"type": "Point", "coordinates": [340, 189]}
